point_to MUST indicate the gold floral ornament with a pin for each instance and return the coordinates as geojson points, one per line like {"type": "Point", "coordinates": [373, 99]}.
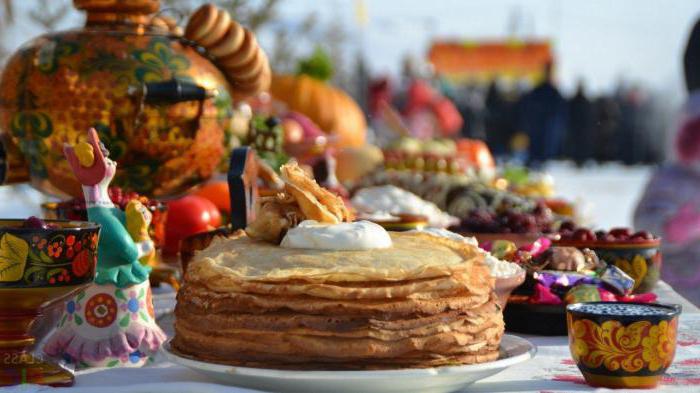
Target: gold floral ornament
{"type": "Point", "coordinates": [659, 347]}
{"type": "Point", "coordinates": [637, 269]}
{"type": "Point", "coordinates": [13, 257]}
{"type": "Point", "coordinates": [629, 348]}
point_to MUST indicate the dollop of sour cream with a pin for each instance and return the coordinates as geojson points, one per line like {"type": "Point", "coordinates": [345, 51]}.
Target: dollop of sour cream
{"type": "Point", "coordinates": [498, 268]}
{"type": "Point", "coordinates": [346, 236]}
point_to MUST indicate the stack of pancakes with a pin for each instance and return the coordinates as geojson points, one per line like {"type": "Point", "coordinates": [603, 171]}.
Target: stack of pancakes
{"type": "Point", "coordinates": [424, 302]}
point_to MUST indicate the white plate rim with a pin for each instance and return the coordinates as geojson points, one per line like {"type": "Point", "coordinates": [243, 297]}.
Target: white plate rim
{"type": "Point", "coordinates": [499, 364]}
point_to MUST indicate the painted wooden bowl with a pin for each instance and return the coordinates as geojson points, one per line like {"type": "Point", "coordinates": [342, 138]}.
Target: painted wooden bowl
{"type": "Point", "coordinates": [622, 345]}
{"type": "Point", "coordinates": [38, 267]}
{"type": "Point", "coordinates": [641, 260]}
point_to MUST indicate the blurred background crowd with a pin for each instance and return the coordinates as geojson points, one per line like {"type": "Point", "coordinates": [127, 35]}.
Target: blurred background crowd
{"type": "Point", "coordinates": [532, 121]}
{"type": "Point", "coordinates": [537, 80]}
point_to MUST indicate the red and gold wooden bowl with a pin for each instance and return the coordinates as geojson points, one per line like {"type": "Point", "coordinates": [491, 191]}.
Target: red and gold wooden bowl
{"type": "Point", "coordinates": [641, 260]}
{"type": "Point", "coordinates": [39, 267]}
{"type": "Point", "coordinates": [622, 345]}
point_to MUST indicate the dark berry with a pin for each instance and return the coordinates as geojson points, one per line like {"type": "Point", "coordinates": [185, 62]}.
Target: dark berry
{"type": "Point", "coordinates": [642, 235]}
{"type": "Point", "coordinates": [34, 223]}
{"type": "Point", "coordinates": [621, 233]}
{"type": "Point", "coordinates": [566, 234]}
{"type": "Point", "coordinates": [583, 235]}
{"type": "Point", "coordinates": [567, 226]}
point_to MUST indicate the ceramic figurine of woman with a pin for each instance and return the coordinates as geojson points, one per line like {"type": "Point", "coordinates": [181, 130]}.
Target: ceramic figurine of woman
{"type": "Point", "coordinates": [111, 323]}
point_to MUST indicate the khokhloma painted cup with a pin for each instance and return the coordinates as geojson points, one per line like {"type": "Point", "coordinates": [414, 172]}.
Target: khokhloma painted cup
{"type": "Point", "coordinates": [622, 345]}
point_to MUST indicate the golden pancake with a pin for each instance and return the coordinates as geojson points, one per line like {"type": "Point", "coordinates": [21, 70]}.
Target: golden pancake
{"type": "Point", "coordinates": [290, 320]}
{"type": "Point", "coordinates": [286, 343]}
{"type": "Point", "coordinates": [427, 288]}
{"type": "Point", "coordinates": [223, 325]}
{"type": "Point", "coordinates": [413, 256]}
{"type": "Point", "coordinates": [213, 302]}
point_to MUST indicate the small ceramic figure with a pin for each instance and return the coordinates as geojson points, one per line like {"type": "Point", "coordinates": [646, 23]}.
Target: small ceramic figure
{"type": "Point", "coordinates": [112, 322]}
{"type": "Point", "coordinates": [138, 218]}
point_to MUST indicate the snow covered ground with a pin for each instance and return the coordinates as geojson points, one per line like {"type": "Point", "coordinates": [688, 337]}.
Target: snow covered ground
{"type": "Point", "coordinates": [607, 194]}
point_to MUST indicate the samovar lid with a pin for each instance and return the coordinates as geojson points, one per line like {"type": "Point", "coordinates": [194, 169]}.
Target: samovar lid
{"type": "Point", "coordinates": [119, 6]}
{"type": "Point", "coordinates": [99, 11]}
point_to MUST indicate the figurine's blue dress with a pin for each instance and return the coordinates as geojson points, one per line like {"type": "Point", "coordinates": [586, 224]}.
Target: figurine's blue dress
{"type": "Point", "coordinates": [119, 260]}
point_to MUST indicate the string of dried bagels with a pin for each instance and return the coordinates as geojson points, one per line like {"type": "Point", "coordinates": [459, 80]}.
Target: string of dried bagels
{"type": "Point", "coordinates": [233, 48]}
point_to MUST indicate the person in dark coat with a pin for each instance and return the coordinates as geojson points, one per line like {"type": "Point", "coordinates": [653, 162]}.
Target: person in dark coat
{"type": "Point", "coordinates": [607, 120]}
{"type": "Point", "coordinates": [496, 133]}
{"type": "Point", "coordinates": [543, 118]}
{"type": "Point", "coordinates": [580, 127]}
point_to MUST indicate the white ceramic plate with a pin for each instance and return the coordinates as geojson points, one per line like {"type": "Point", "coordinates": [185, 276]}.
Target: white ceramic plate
{"type": "Point", "coordinates": [436, 380]}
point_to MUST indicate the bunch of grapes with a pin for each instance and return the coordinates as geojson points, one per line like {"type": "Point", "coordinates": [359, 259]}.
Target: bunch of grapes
{"type": "Point", "coordinates": [75, 209]}
{"type": "Point", "coordinates": [121, 198]}
{"type": "Point", "coordinates": [538, 220]}
{"type": "Point", "coordinates": [486, 210]}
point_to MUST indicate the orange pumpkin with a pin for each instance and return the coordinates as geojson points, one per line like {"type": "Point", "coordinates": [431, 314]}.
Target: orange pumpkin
{"type": "Point", "coordinates": [333, 110]}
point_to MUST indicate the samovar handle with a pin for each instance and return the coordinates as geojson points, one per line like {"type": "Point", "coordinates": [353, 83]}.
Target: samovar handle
{"type": "Point", "coordinates": [243, 186]}
{"type": "Point", "coordinates": [171, 91]}
{"type": "Point", "coordinates": [243, 190]}
{"type": "Point", "coordinates": [168, 92]}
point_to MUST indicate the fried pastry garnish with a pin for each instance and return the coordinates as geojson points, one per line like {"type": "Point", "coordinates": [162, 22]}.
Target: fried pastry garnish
{"type": "Point", "coordinates": [269, 176]}
{"type": "Point", "coordinates": [301, 199]}
{"type": "Point", "coordinates": [275, 215]}
{"type": "Point", "coordinates": [315, 202]}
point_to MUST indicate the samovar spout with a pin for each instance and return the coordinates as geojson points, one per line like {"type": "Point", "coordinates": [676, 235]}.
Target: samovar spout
{"type": "Point", "coordinates": [13, 166]}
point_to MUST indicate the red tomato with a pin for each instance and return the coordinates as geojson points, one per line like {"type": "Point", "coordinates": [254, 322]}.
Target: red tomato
{"type": "Point", "coordinates": [216, 192]}
{"type": "Point", "coordinates": [187, 216]}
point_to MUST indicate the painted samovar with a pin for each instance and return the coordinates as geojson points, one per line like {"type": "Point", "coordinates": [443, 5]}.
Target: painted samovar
{"type": "Point", "coordinates": [160, 105]}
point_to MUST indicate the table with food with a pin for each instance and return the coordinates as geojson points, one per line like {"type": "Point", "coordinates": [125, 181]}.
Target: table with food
{"type": "Point", "coordinates": [211, 226]}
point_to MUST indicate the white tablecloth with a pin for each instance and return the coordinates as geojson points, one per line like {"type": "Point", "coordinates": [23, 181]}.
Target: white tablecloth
{"type": "Point", "coordinates": [552, 369]}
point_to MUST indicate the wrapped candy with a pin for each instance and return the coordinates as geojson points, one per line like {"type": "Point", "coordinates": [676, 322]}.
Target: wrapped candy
{"type": "Point", "coordinates": [568, 259]}
{"type": "Point", "coordinates": [537, 247]}
{"type": "Point", "coordinates": [550, 278]}
{"type": "Point", "coordinates": [606, 295]}
{"type": "Point", "coordinates": [582, 293]}
{"type": "Point", "coordinates": [639, 298]}
{"type": "Point", "coordinates": [543, 295]}
{"type": "Point", "coordinates": [616, 279]}
{"type": "Point", "coordinates": [559, 283]}
{"type": "Point", "coordinates": [503, 249]}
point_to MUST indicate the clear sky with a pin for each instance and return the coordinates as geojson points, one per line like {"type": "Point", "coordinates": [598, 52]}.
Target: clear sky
{"type": "Point", "coordinates": [600, 41]}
